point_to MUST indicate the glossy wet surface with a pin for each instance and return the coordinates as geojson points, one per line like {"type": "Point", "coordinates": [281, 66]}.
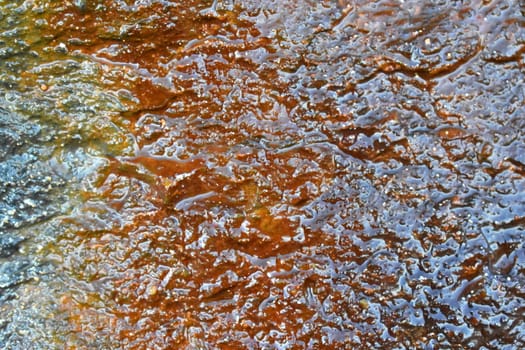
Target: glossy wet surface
{"type": "Point", "coordinates": [266, 174]}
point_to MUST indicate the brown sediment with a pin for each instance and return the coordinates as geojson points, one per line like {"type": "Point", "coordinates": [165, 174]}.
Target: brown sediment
{"type": "Point", "coordinates": [299, 179]}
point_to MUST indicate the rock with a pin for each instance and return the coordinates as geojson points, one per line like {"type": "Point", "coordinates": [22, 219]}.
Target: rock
{"type": "Point", "coordinates": [29, 181]}
{"type": "Point", "coordinates": [9, 244]}
{"type": "Point", "coordinates": [13, 273]}
{"type": "Point", "coordinates": [15, 132]}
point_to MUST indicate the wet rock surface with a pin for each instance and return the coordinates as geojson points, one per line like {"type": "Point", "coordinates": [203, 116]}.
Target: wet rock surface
{"type": "Point", "coordinates": [28, 180]}
{"type": "Point", "coordinates": [9, 245]}
{"type": "Point", "coordinates": [27, 196]}
{"type": "Point", "coordinates": [273, 174]}
{"type": "Point", "coordinates": [45, 98]}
